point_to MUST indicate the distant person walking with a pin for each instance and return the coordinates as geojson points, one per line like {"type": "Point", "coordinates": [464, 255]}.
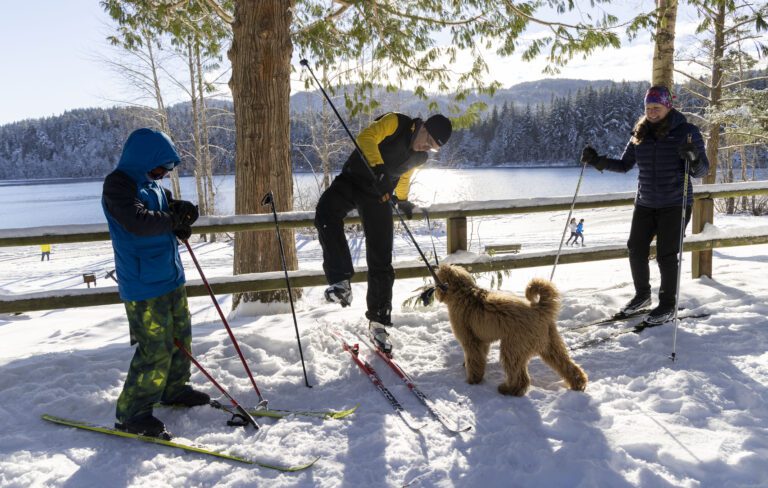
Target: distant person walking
{"type": "Point", "coordinates": [45, 250]}
{"type": "Point", "coordinates": [572, 226]}
{"type": "Point", "coordinates": [662, 141]}
{"type": "Point", "coordinates": [579, 233]}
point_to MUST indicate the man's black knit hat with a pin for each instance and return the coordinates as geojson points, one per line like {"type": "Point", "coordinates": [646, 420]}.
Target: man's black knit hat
{"type": "Point", "coordinates": [439, 127]}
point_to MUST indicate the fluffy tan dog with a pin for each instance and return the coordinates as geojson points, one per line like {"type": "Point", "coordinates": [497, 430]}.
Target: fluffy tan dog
{"type": "Point", "coordinates": [525, 329]}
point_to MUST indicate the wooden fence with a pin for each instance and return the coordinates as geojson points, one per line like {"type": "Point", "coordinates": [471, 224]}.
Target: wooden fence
{"type": "Point", "coordinates": [455, 214]}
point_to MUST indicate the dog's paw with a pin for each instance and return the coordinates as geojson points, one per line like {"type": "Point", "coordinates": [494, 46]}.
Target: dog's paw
{"type": "Point", "coordinates": [474, 380]}
{"type": "Point", "coordinates": [579, 385]}
{"type": "Point", "coordinates": [506, 389]}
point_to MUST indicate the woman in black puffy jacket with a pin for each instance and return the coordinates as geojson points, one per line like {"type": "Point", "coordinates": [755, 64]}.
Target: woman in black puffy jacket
{"type": "Point", "coordinates": [662, 141]}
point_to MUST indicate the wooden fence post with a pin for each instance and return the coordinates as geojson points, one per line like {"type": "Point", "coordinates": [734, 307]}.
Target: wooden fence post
{"type": "Point", "coordinates": [701, 261]}
{"type": "Point", "coordinates": [456, 230]}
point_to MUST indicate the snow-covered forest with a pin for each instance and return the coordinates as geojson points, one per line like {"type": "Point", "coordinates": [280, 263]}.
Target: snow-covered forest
{"type": "Point", "coordinates": [87, 142]}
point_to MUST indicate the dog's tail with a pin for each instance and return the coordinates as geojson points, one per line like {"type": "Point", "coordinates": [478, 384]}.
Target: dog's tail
{"type": "Point", "coordinates": [543, 295]}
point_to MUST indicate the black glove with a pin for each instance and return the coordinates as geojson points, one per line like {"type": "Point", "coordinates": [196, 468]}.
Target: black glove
{"type": "Point", "coordinates": [382, 182]}
{"type": "Point", "coordinates": [183, 232]}
{"type": "Point", "coordinates": [405, 207]}
{"type": "Point", "coordinates": [688, 152]}
{"type": "Point", "coordinates": [590, 156]}
{"type": "Point", "coordinates": [183, 212]}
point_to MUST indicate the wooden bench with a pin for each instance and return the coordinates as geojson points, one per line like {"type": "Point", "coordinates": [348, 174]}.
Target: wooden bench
{"type": "Point", "coordinates": [503, 248]}
{"type": "Point", "coordinates": [89, 278]}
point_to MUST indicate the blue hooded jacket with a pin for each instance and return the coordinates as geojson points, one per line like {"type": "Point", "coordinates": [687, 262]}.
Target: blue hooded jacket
{"type": "Point", "coordinates": [136, 206]}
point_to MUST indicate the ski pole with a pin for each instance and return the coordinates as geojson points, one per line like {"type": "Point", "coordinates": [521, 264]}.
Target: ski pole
{"type": "Point", "coordinates": [568, 219]}
{"type": "Point", "coordinates": [442, 286]}
{"type": "Point", "coordinates": [262, 401]}
{"type": "Point", "coordinates": [243, 415]}
{"type": "Point", "coordinates": [270, 200]}
{"type": "Point", "coordinates": [431, 235]}
{"type": "Point", "coordinates": [673, 356]}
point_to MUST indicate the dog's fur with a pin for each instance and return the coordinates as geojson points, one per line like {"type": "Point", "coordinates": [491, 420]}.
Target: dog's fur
{"type": "Point", "coordinates": [525, 329]}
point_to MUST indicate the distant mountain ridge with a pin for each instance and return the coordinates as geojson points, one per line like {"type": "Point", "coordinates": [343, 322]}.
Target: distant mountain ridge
{"type": "Point", "coordinates": [521, 94]}
{"type": "Point", "coordinates": [87, 142]}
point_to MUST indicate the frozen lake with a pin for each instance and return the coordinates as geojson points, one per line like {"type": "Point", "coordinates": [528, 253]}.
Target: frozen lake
{"type": "Point", "coordinates": [32, 204]}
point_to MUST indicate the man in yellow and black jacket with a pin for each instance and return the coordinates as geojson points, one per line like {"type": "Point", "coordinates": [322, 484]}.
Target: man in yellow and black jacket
{"type": "Point", "coordinates": [393, 146]}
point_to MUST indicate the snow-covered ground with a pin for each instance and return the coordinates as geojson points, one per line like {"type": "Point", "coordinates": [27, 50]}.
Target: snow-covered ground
{"type": "Point", "coordinates": [643, 420]}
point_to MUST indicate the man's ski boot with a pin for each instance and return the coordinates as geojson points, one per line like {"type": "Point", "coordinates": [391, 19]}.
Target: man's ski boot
{"type": "Point", "coordinates": [634, 306]}
{"type": "Point", "coordinates": [147, 425]}
{"type": "Point", "coordinates": [340, 292]}
{"type": "Point", "coordinates": [661, 314]}
{"type": "Point", "coordinates": [380, 337]}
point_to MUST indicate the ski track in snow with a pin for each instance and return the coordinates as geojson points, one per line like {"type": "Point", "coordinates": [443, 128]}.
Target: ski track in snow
{"type": "Point", "coordinates": [644, 420]}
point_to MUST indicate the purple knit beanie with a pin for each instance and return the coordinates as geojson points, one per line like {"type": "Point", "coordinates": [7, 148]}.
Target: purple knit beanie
{"type": "Point", "coordinates": [660, 95]}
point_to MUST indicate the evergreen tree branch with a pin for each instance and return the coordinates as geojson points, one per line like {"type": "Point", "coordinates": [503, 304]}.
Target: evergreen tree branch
{"type": "Point", "coordinates": [694, 79]}
{"type": "Point", "coordinates": [741, 82]}
{"type": "Point", "coordinates": [223, 14]}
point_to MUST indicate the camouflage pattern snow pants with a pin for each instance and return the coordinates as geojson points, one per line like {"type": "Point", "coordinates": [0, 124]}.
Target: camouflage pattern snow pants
{"type": "Point", "coordinates": [159, 371]}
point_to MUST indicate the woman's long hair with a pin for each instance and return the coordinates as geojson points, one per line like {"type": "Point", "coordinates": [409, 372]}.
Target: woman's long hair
{"type": "Point", "coordinates": [644, 128]}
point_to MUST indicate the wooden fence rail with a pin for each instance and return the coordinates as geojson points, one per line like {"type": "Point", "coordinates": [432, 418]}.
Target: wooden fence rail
{"type": "Point", "coordinates": [451, 211]}
{"type": "Point", "coordinates": [276, 280]}
{"type": "Point", "coordinates": [455, 212]}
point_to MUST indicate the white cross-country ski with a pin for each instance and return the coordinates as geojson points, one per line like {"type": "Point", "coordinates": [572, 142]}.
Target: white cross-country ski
{"type": "Point", "coordinates": [636, 328]}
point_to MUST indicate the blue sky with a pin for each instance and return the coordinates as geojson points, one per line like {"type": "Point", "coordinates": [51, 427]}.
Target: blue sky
{"type": "Point", "coordinates": [51, 50]}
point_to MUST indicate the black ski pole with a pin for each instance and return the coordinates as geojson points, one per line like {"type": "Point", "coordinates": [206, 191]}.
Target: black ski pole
{"type": "Point", "coordinates": [568, 219]}
{"type": "Point", "coordinates": [673, 356]}
{"type": "Point", "coordinates": [270, 200]}
{"type": "Point", "coordinates": [262, 401]}
{"type": "Point", "coordinates": [244, 417]}
{"type": "Point", "coordinates": [442, 286]}
{"type": "Point", "coordinates": [431, 235]}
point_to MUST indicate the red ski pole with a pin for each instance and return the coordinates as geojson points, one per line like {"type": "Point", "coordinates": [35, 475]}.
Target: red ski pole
{"type": "Point", "coordinates": [262, 401]}
{"type": "Point", "coordinates": [245, 417]}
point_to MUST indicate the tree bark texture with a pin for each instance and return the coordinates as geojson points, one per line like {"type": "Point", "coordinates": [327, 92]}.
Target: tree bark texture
{"type": "Point", "coordinates": [664, 49]}
{"type": "Point", "coordinates": [209, 190]}
{"type": "Point", "coordinates": [196, 129]}
{"type": "Point", "coordinates": [702, 260]}
{"type": "Point", "coordinates": [261, 66]}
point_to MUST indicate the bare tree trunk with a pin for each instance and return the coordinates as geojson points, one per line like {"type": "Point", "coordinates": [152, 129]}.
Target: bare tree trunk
{"type": "Point", "coordinates": [206, 163]}
{"type": "Point", "coordinates": [196, 129]}
{"type": "Point", "coordinates": [702, 260]}
{"type": "Point", "coordinates": [325, 157]}
{"type": "Point", "coordinates": [743, 158]}
{"type": "Point", "coordinates": [162, 112]}
{"type": "Point", "coordinates": [261, 66]}
{"type": "Point", "coordinates": [727, 164]}
{"type": "Point", "coordinates": [664, 49]}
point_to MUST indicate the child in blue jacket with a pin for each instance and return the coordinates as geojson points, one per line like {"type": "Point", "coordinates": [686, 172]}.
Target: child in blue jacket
{"type": "Point", "coordinates": [144, 224]}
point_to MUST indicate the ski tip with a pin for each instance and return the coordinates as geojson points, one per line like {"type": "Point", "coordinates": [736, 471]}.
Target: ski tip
{"type": "Point", "coordinates": [343, 413]}
{"type": "Point", "coordinates": [288, 469]}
